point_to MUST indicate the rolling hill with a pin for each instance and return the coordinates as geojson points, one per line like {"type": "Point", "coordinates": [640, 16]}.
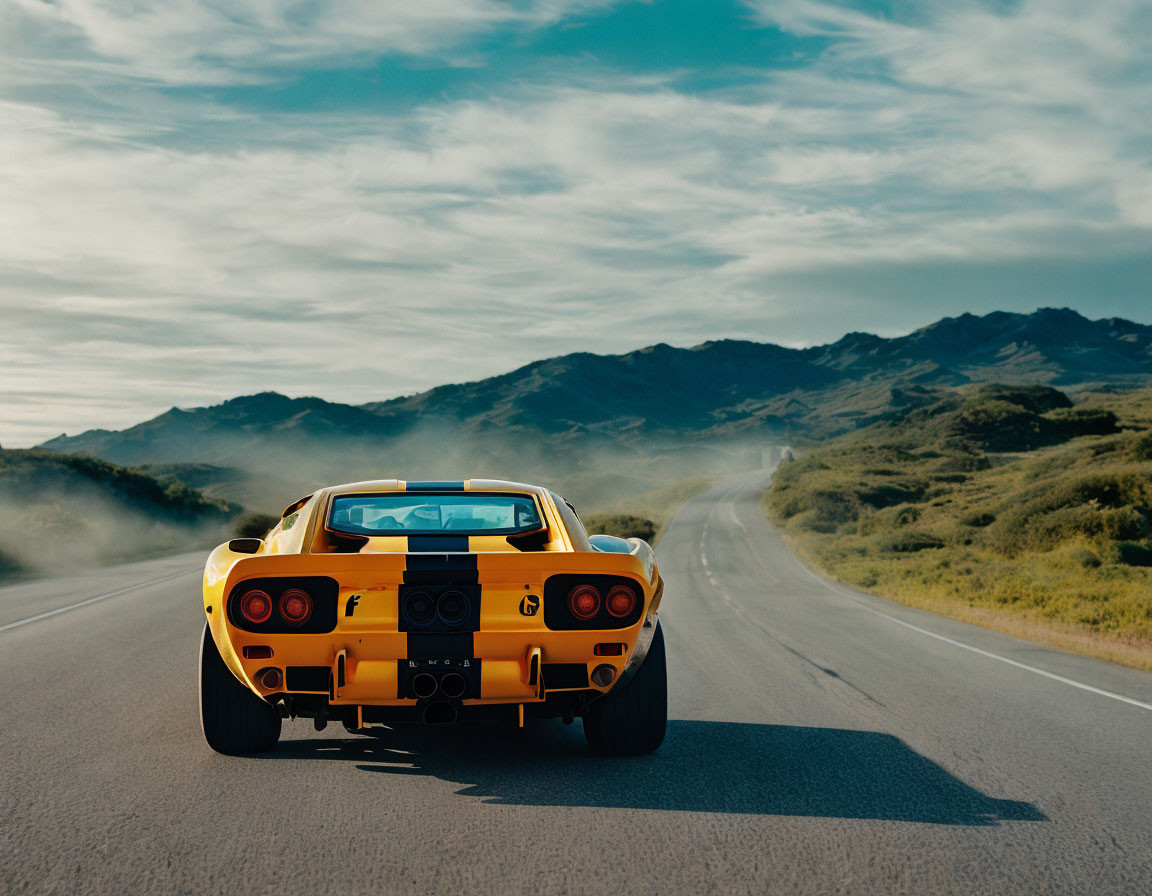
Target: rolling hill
{"type": "Point", "coordinates": [1011, 507]}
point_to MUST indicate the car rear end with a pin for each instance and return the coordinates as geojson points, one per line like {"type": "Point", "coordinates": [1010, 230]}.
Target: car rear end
{"type": "Point", "coordinates": [384, 636]}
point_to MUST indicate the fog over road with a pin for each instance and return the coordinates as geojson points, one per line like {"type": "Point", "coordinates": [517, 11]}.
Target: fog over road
{"type": "Point", "coordinates": [820, 741]}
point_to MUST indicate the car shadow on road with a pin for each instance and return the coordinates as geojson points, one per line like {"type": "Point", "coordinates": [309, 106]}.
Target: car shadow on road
{"type": "Point", "coordinates": [702, 767]}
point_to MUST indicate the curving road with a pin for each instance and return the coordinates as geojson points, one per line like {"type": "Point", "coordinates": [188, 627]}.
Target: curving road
{"type": "Point", "coordinates": [822, 741]}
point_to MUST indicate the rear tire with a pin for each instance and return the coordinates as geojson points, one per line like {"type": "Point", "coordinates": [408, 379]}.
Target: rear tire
{"type": "Point", "coordinates": [234, 720]}
{"type": "Point", "coordinates": [630, 721]}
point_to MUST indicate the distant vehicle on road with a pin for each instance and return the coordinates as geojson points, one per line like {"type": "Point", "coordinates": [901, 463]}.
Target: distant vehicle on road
{"type": "Point", "coordinates": [382, 602]}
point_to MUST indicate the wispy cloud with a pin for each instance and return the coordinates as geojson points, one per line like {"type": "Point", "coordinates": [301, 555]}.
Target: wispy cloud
{"type": "Point", "coordinates": [163, 245]}
{"type": "Point", "coordinates": [231, 41]}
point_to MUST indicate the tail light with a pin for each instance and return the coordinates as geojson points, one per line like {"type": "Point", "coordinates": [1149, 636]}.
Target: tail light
{"type": "Point", "coordinates": [621, 601]}
{"type": "Point", "coordinates": [256, 606]}
{"type": "Point", "coordinates": [279, 605]}
{"type": "Point", "coordinates": [260, 652]}
{"type": "Point", "coordinates": [295, 606]}
{"type": "Point", "coordinates": [584, 601]}
{"type": "Point", "coordinates": [602, 650]}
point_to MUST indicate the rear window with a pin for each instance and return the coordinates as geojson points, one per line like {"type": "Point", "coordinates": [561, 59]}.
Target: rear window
{"type": "Point", "coordinates": [471, 513]}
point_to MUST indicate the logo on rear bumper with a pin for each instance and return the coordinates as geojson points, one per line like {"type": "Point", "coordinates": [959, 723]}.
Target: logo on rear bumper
{"type": "Point", "coordinates": [529, 605]}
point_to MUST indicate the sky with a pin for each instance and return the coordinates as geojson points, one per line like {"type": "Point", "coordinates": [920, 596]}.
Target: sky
{"type": "Point", "coordinates": [360, 199]}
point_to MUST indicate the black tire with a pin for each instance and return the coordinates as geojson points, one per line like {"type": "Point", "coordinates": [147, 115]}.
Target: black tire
{"type": "Point", "coordinates": [234, 720]}
{"type": "Point", "coordinates": [631, 720]}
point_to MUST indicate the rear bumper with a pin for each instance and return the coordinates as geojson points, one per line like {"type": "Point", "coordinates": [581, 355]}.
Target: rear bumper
{"type": "Point", "coordinates": [366, 653]}
{"type": "Point", "coordinates": [379, 670]}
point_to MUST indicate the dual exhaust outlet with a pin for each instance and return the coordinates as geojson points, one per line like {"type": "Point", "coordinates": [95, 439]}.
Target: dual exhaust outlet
{"type": "Point", "coordinates": [450, 686]}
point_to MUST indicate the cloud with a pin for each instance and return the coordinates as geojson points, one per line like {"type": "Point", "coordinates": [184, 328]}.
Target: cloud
{"type": "Point", "coordinates": [168, 247]}
{"type": "Point", "coordinates": [239, 41]}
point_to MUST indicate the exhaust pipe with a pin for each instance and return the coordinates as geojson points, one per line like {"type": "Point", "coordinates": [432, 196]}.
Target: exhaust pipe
{"type": "Point", "coordinates": [439, 713]}
{"type": "Point", "coordinates": [424, 685]}
{"type": "Point", "coordinates": [452, 685]}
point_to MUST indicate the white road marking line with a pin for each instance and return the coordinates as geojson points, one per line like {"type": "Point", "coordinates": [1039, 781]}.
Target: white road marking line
{"type": "Point", "coordinates": [1010, 662]}
{"type": "Point", "coordinates": [707, 571]}
{"type": "Point", "coordinates": [92, 600]}
{"type": "Point", "coordinates": [844, 592]}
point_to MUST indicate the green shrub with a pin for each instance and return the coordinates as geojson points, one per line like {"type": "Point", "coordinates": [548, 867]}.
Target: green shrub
{"type": "Point", "coordinates": [1001, 426]}
{"type": "Point", "coordinates": [962, 457]}
{"type": "Point", "coordinates": [1133, 553]}
{"type": "Point", "coordinates": [254, 525]}
{"type": "Point", "coordinates": [979, 519]}
{"type": "Point", "coordinates": [905, 516]}
{"type": "Point", "coordinates": [910, 542]}
{"type": "Point", "coordinates": [888, 494]}
{"type": "Point", "coordinates": [830, 509]}
{"type": "Point", "coordinates": [1084, 422]}
{"type": "Point", "coordinates": [1142, 447]}
{"type": "Point", "coordinates": [1037, 399]}
{"type": "Point", "coordinates": [622, 525]}
{"type": "Point", "coordinates": [1086, 558]}
{"type": "Point", "coordinates": [888, 520]}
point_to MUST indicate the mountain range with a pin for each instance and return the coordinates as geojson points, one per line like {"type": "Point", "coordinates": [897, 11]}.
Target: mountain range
{"type": "Point", "coordinates": [652, 397]}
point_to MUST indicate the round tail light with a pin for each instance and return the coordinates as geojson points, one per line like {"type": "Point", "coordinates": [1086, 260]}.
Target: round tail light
{"type": "Point", "coordinates": [453, 607]}
{"type": "Point", "coordinates": [419, 608]}
{"type": "Point", "coordinates": [621, 601]}
{"type": "Point", "coordinates": [295, 606]}
{"type": "Point", "coordinates": [584, 601]}
{"type": "Point", "coordinates": [256, 606]}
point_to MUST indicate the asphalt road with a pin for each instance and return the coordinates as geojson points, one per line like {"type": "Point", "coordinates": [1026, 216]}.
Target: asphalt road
{"type": "Point", "coordinates": [821, 742]}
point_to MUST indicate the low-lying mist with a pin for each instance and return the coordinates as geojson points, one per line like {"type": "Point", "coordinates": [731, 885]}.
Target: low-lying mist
{"type": "Point", "coordinates": [61, 512]}
{"type": "Point", "coordinates": [592, 471]}
{"type": "Point", "coordinates": [55, 532]}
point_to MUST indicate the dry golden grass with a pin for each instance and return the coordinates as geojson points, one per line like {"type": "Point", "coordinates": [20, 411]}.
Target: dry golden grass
{"type": "Point", "coordinates": [1052, 544]}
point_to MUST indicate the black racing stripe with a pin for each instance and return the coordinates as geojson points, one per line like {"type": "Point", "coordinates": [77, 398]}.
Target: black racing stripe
{"type": "Point", "coordinates": [438, 544]}
{"type": "Point", "coordinates": [445, 485]}
{"type": "Point", "coordinates": [431, 646]}
{"type": "Point", "coordinates": [441, 569]}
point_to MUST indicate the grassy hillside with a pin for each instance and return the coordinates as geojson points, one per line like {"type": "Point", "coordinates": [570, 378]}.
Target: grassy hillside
{"type": "Point", "coordinates": [1010, 507]}
{"type": "Point", "coordinates": [60, 512]}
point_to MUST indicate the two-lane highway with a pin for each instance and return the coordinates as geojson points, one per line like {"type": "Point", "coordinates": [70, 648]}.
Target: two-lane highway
{"type": "Point", "coordinates": [821, 741]}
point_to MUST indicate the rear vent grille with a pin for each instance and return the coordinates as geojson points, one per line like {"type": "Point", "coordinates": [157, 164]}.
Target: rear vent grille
{"type": "Point", "coordinates": [565, 676]}
{"type": "Point", "coordinates": [307, 678]}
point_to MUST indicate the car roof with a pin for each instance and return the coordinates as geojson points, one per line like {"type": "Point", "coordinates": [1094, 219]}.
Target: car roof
{"type": "Point", "coordinates": [375, 486]}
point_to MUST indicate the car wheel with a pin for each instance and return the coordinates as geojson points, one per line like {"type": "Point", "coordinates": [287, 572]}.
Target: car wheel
{"type": "Point", "coordinates": [234, 719]}
{"type": "Point", "coordinates": [629, 721]}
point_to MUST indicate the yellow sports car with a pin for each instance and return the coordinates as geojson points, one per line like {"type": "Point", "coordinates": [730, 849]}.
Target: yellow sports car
{"type": "Point", "coordinates": [377, 603]}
